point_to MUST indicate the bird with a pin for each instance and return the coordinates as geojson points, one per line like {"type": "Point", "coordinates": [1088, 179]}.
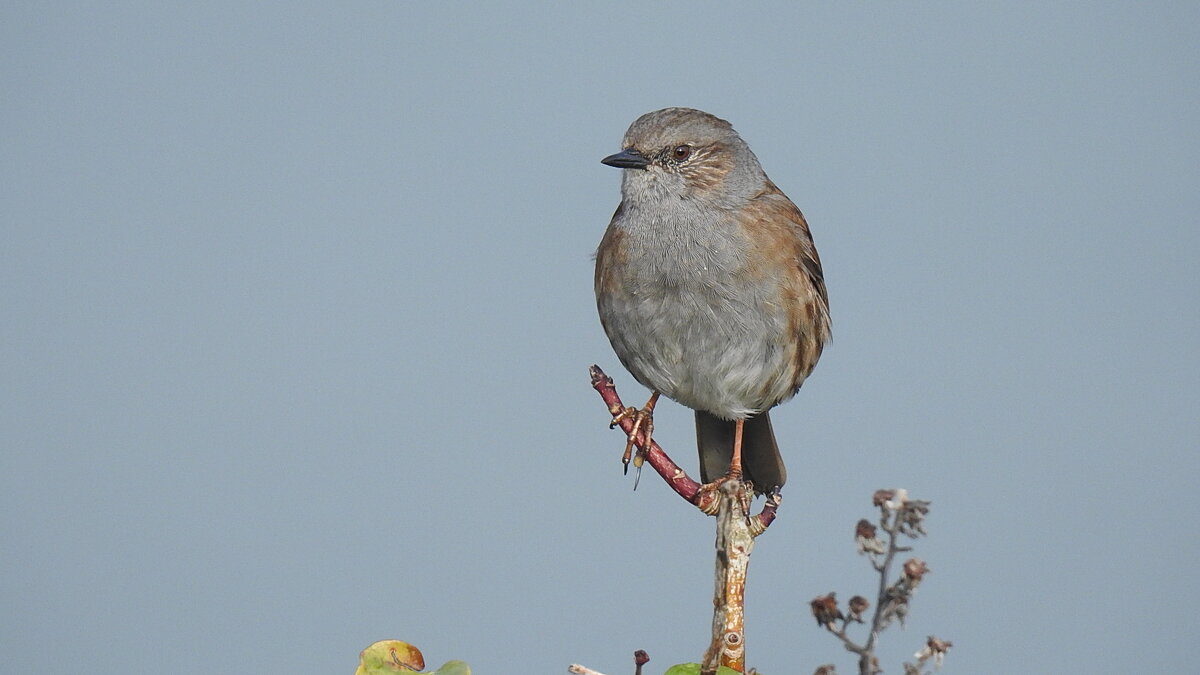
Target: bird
{"type": "Point", "coordinates": [710, 289]}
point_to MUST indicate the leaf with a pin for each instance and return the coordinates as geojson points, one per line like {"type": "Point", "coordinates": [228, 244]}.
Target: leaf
{"type": "Point", "coordinates": [389, 656]}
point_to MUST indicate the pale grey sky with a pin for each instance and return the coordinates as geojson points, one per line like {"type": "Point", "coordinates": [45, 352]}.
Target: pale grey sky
{"type": "Point", "coordinates": [297, 315]}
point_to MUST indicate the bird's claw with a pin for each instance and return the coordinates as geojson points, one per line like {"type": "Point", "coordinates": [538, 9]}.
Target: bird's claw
{"type": "Point", "coordinates": [643, 423]}
{"type": "Point", "coordinates": [745, 495]}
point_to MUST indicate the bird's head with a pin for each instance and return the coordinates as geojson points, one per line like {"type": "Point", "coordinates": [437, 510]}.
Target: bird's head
{"type": "Point", "coordinates": [682, 153]}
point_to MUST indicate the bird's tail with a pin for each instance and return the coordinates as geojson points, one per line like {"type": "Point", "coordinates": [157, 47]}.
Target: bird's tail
{"type": "Point", "coordinates": [761, 462]}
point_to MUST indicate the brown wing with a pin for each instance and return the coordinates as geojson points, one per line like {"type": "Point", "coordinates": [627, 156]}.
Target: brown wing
{"type": "Point", "coordinates": [787, 236]}
{"type": "Point", "coordinates": [610, 248]}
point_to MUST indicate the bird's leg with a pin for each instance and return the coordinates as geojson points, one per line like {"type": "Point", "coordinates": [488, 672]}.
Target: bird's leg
{"type": "Point", "coordinates": [735, 465]}
{"type": "Point", "coordinates": [641, 418]}
{"type": "Point", "coordinates": [734, 473]}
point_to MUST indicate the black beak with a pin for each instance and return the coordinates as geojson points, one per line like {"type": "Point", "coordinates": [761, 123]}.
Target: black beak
{"type": "Point", "coordinates": [627, 159]}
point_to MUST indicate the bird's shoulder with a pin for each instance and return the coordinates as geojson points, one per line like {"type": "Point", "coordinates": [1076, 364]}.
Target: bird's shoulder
{"type": "Point", "coordinates": [611, 252]}
{"type": "Point", "coordinates": [780, 231]}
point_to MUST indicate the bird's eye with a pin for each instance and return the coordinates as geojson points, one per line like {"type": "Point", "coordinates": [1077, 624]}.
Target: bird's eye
{"type": "Point", "coordinates": [682, 152]}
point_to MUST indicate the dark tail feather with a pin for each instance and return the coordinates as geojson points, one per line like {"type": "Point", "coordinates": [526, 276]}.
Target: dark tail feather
{"type": "Point", "coordinates": [761, 462]}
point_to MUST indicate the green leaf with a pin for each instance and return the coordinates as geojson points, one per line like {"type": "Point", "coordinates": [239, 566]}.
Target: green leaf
{"type": "Point", "coordinates": [389, 656]}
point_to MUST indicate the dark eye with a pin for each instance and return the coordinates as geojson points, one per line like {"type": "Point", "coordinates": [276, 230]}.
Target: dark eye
{"type": "Point", "coordinates": [682, 152]}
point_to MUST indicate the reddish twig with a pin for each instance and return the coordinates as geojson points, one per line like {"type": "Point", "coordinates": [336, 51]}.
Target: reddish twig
{"type": "Point", "coordinates": [736, 529]}
{"type": "Point", "coordinates": [675, 477]}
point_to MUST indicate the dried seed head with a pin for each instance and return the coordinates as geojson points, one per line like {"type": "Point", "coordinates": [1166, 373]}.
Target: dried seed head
{"type": "Point", "coordinates": [865, 539]}
{"type": "Point", "coordinates": [825, 609]}
{"type": "Point", "coordinates": [911, 518]}
{"type": "Point", "coordinates": [914, 570]}
{"type": "Point", "coordinates": [938, 646]}
{"type": "Point", "coordinates": [864, 529]}
{"type": "Point", "coordinates": [858, 605]}
{"type": "Point", "coordinates": [934, 649]}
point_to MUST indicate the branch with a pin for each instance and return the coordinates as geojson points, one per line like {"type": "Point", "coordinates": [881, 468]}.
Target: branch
{"type": "Point", "coordinates": [675, 477]}
{"type": "Point", "coordinates": [729, 501]}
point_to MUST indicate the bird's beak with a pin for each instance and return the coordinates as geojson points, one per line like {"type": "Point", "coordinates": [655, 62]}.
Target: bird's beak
{"type": "Point", "coordinates": [627, 159]}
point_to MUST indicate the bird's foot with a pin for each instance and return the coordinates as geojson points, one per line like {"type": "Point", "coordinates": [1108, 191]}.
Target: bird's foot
{"type": "Point", "coordinates": [733, 480]}
{"type": "Point", "coordinates": [643, 423]}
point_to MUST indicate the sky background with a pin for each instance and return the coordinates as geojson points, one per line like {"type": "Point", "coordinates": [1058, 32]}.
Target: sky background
{"type": "Point", "coordinates": [297, 315]}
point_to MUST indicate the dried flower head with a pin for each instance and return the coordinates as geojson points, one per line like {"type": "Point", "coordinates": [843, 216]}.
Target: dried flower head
{"type": "Point", "coordinates": [914, 570]}
{"type": "Point", "coordinates": [911, 518]}
{"type": "Point", "coordinates": [865, 538]}
{"type": "Point", "coordinates": [894, 604]}
{"type": "Point", "coordinates": [827, 669]}
{"type": "Point", "coordinates": [858, 605]}
{"type": "Point", "coordinates": [934, 649]}
{"type": "Point", "coordinates": [890, 500]}
{"type": "Point", "coordinates": [864, 529]}
{"type": "Point", "coordinates": [825, 609]}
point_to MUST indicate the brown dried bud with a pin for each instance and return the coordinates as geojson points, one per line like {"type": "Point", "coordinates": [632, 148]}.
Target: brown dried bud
{"type": "Point", "coordinates": [864, 529]}
{"type": "Point", "coordinates": [911, 520]}
{"type": "Point", "coordinates": [865, 539]}
{"type": "Point", "coordinates": [890, 500]}
{"type": "Point", "coordinates": [915, 569]}
{"type": "Point", "coordinates": [935, 649]}
{"type": "Point", "coordinates": [641, 658]}
{"type": "Point", "coordinates": [825, 609]}
{"type": "Point", "coordinates": [938, 646]}
{"type": "Point", "coordinates": [827, 669]}
{"type": "Point", "coordinates": [858, 605]}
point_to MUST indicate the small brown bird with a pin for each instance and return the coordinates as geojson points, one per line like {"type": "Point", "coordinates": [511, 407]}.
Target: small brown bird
{"type": "Point", "coordinates": [709, 288]}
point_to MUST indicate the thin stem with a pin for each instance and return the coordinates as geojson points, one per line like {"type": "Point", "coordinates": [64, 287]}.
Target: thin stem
{"type": "Point", "coordinates": [659, 460]}
{"type": "Point", "coordinates": [891, 527]}
{"type": "Point", "coordinates": [851, 645]}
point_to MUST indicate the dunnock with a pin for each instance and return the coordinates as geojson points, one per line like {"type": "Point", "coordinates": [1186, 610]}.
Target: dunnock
{"type": "Point", "coordinates": [710, 288]}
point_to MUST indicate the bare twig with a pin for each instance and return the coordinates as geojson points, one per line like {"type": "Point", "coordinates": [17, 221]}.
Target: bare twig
{"type": "Point", "coordinates": [735, 541]}
{"type": "Point", "coordinates": [736, 530]}
{"type": "Point", "coordinates": [675, 477]}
